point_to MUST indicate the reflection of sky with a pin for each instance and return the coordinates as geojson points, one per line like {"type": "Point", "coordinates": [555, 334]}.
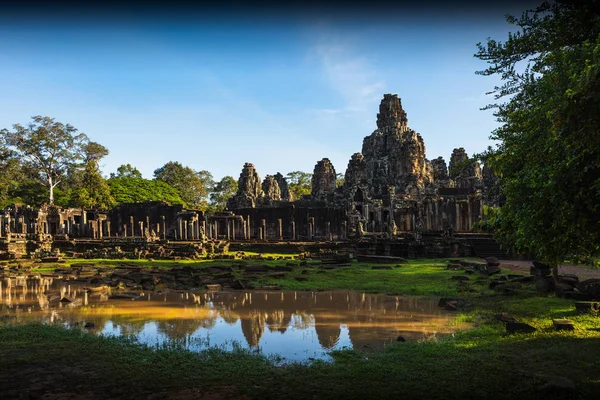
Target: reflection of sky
{"type": "Point", "coordinates": [295, 326]}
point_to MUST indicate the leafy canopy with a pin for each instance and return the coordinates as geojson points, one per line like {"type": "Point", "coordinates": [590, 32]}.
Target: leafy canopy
{"type": "Point", "coordinates": [222, 191]}
{"type": "Point", "coordinates": [46, 149]}
{"type": "Point", "coordinates": [138, 190]}
{"type": "Point", "coordinates": [299, 183]}
{"type": "Point", "coordinates": [193, 186]}
{"type": "Point", "coordinates": [126, 171]}
{"type": "Point", "coordinates": [548, 159]}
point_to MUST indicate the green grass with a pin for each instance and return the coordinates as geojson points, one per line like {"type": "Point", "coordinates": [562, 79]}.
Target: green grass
{"type": "Point", "coordinates": [483, 362]}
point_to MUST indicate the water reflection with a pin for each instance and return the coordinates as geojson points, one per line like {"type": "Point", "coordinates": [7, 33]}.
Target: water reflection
{"type": "Point", "coordinates": [295, 325]}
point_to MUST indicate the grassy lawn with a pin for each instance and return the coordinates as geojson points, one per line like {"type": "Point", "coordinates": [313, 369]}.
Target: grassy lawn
{"type": "Point", "coordinates": [483, 362]}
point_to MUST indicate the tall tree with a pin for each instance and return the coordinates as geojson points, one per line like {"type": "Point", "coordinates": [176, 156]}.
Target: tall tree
{"type": "Point", "coordinates": [299, 183]}
{"type": "Point", "coordinates": [193, 186]}
{"type": "Point", "coordinates": [126, 171]}
{"type": "Point", "coordinates": [11, 173]}
{"type": "Point", "coordinates": [94, 191]}
{"type": "Point", "coordinates": [222, 191]}
{"type": "Point", "coordinates": [548, 156]}
{"type": "Point", "coordinates": [46, 148]}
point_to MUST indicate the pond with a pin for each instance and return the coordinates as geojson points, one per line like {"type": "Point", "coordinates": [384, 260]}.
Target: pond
{"type": "Point", "coordinates": [293, 325]}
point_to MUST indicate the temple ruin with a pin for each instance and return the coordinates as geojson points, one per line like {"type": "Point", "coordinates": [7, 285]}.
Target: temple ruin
{"type": "Point", "coordinates": [393, 201]}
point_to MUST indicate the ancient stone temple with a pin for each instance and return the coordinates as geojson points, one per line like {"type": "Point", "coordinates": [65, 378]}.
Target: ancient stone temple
{"type": "Point", "coordinates": [392, 197]}
{"type": "Point", "coordinates": [389, 188]}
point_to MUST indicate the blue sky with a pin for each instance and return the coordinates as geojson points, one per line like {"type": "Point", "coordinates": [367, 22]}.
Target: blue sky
{"type": "Point", "coordinates": [282, 93]}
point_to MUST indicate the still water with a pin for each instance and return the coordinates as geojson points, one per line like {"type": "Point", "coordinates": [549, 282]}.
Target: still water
{"type": "Point", "coordinates": [295, 326]}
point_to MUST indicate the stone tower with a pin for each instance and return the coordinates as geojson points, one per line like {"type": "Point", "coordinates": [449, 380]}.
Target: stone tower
{"type": "Point", "coordinates": [394, 153]}
{"type": "Point", "coordinates": [249, 189]}
{"type": "Point", "coordinates": [323, 179]}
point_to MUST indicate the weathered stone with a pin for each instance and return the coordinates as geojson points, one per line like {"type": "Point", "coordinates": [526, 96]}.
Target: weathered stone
{"type": "Point", "coordinates": [323, 179]}
{"type": "Point", "coordinates": [249, 189]}
{"type": "Point", "coordinates": [590, 286]}
{"type": "Point", "coordinates": [440, 170]}
{"type": "Point", "coordinates": [563, 325]}
{"type": "Point", "coordinates": [492, 261]}
{"type": "Point", "coordinates": [465, 173]}
{"type": "Point", "coordinates": [286, 195]}
{"type": "Point", "coordinates": [271, 189]}
{"type": "Point", "coordinates": [560, 288]}
{"type": "Point", "coordinates": [544, 285]}
{"type": "Point", "coordinates": [519, 327]}
{"type": "Point", "coordinates": [587, 306]}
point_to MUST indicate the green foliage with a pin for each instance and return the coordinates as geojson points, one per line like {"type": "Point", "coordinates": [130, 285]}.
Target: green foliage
{"type": "Point", "coordinates": [222, 191]}
{"type": "Point", "coordinates": [299, 183]}
{"type": "Point", "coordinates": [193, 186]}
{"type": "Point", "coordinates": [10, 173]}
{"type": "Point", "coordinates": [46, 148]}
{"type": "Point", "coordinates": [95, 191]}
{"type": "Point", "coordinates": [126, 171]}
{"type": "Point", "coordinates": [465, 365]}
{"type": "Point", "coordinates": [548, 159]}
{"type": "Point", "coordinates": [138, 190]}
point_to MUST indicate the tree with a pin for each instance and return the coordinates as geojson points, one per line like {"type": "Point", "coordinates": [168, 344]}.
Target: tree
{"type": "Point", "coordinates": [95, 191]}
{"type": "Point", "coordinates": [138, 190]}
{"type": "Point", "coordinates": [46, 148]}
{"type": "Point", "coordinates": [126, 171]}
{"type": "Point", "coordinates": [193, 187]}
{"type": "Point", "coordinates": [548, 158]}
{"type": "Point", "coordinates": [299, 183]}
{"type": "Point", "coordinates": [222, 191]}
{"type": "Point", "coordinates": [11, 173]}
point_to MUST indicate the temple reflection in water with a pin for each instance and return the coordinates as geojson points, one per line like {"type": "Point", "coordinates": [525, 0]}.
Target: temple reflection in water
{"type": "Point", "coordinates": [293, 324]}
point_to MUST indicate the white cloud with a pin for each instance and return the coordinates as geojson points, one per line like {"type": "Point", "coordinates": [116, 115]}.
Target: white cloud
{"type": "Point", "coordinates": [349, 74]}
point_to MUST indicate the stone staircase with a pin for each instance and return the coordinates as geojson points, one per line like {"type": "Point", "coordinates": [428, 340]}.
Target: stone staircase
{"type": "Point", "coordinates": [486, 246]}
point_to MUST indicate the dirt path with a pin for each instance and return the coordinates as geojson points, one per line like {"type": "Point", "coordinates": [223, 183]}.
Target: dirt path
{"type": "Point", "coordinates": [582, 272]}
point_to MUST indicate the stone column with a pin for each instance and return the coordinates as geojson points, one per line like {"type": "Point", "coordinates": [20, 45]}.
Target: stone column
{"type": "Point", "coordinates": [469, 218]}
{"type": "Point", "coordinates": [233, 228]}
{"type": "Point", "coordinates": [124, 230]}
{"type": "Point", "coordinates": [457, 228]}
{"type": "Point", "coordinates": [191, 230]}
{"type": "Point", "coordinates": [344, 230]}
{"type": "Point", "coordinates": [328, 225]}
{"type": "Point", "coordinates": [310, 231]}
{"type": "Point", "coordinates": [45, 227]}
{"type": "Point", "coordinates": [280, 223]}
{"type": "Point", "coordinates": [108, 228]}
{"type": "Point", "coordinates": [141, 223]}
{"type": "Point", "coordinates": [132, 227]}
{"type": "Point", "coordinates": [164, 227]}
{"type": "Point", "coordinates": [260, 233]}
{"type": "Point", "coordinates": [227, 222]}
{"type": "Point", "coordinates": [245, 228]}
{"type": "Point", "coordinates": [204, 226]}
{"type": "Point", "coordinates": [312, 228]}
{"type": "Point", "coordinates": [263, 222]}
{"type": "Point", "coordinates": [147, 224]}
{"type": "Point", "coordinates": [249, 228]}
{"type": "Point", "coordinates": [216, 230]}
{"type": "Point", "coordinates": [184, 231]}
{"type": "Point", "coordinates": [180, 230]}
{"type": "Point", "coordinates": [293, 229]}
{"type": "Point", "coordinates": [100, 229]}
